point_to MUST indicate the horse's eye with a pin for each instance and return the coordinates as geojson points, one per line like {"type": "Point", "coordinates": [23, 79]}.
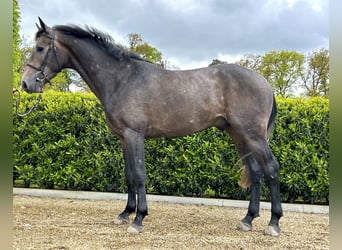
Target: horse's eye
{"type": "Point", "coordinates": [40, 49]}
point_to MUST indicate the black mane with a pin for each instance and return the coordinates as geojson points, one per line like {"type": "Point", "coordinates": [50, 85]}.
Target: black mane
{"type": "Point", "coordinates": [101, 39]}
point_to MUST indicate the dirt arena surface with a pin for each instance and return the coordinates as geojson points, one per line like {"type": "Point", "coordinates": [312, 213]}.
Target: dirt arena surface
{"type": "Point", "coordinates": [50, 223]}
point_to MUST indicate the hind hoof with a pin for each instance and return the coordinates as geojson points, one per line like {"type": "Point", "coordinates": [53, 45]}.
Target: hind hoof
{"type": "Point", "coordinates": [244, 227]}
{"type": "Point", "coordinates": [134, 229]}
{"type": "Point", "coordinates": [273, 231]}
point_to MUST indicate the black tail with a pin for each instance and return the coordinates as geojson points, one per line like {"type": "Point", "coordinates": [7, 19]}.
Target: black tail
{"type": "Point", "coordinates": [271, 121]}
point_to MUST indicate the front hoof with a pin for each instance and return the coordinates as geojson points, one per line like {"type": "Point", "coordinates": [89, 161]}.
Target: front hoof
{"type": "Point", "coordinates": [121, 221]}
{"type": "Point", "coordinates": [244, 227]}
{"type": "Point", "coordinates": [134, 229]}
{"type": "Point", "coordinates": [273, 231]}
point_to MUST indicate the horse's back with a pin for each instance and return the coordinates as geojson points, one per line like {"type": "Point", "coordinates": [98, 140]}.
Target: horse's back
{"type": "Point", "coordinates": [241, 78]}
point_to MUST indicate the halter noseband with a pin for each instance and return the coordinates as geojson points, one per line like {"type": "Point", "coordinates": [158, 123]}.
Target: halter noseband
{"type": "Point", "coordinates": [40, 75]}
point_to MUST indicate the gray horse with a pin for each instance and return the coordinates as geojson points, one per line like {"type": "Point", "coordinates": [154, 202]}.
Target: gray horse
{"type": "Point", "coordinates": [142, 100]}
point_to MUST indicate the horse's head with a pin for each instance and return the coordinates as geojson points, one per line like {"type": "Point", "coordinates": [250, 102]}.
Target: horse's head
{"type": "Point", "coordinates": [44, 62]}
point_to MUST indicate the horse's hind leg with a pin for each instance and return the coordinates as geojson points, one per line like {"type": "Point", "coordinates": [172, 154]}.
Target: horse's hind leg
{"type": "Point", "coordinates": [270, 167]}
{"type": "Point", "coordinates": [260, 162]}
{"type": "Point", "coordinates": [255, 174]}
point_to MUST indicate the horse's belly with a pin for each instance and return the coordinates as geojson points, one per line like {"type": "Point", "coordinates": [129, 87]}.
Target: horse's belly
{"type": "Point", "coordinates": [182, 126]}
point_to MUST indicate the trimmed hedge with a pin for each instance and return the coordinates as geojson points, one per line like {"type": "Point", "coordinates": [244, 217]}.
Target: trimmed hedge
{"type": "Point", "coordinates": [66, 144]}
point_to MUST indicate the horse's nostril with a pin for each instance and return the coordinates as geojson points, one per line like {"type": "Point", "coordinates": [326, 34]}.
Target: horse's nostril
{"type": "Point", "coordinates": [24, 85]}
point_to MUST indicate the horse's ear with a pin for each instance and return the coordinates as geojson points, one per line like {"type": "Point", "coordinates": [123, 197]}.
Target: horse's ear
{"type": "Point", "coordinates": [42, 26]}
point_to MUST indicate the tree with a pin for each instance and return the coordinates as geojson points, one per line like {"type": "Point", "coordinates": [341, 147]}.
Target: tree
{"type": "Point", "coordinates": [16, 44]}
{"type": "Point", "coordinates": [282, 69]}
{"type": "Point", "coordinates": [77, 82]}
{"type": "Point", "coordinates": [134, 40]}
{"type": "Point", "coordinates": [61, 82]}
{"type": "Point", "coordinates": [217, 62]}
{"type": "Point", "coordinates": [24, 53]}
{"type": "Point", "coordinates": [148, 52]}
{"type": "Point", "coordinates": [251, 61]}
{"type": "Point", "coordinates": [316, 77]}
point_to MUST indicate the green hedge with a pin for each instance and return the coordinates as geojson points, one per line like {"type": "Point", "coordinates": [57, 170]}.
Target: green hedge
{"type": "Point", "coordinates": [65, 144]}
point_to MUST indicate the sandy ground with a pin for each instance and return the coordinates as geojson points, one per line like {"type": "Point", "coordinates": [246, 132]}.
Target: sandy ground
{"type": "Point", "coordinates": [46, 223]}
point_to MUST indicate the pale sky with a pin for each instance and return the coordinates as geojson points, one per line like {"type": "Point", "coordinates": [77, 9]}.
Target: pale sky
{"type": "Point", "coordinates": [191, 33]}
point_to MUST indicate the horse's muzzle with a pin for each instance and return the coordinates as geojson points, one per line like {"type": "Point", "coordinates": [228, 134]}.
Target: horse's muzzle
{"type": "Point", "coordinates": [35, 88]}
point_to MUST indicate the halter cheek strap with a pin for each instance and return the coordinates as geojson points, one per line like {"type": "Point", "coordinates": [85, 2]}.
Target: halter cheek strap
{"type": "Point", "coordinates": [40, 75]}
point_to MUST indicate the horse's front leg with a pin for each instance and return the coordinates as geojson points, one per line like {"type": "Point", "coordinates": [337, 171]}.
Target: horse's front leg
{"type": "Point", "coordinates": [123, 218]}
{"type": "Point", "coordinates": [135, 173]}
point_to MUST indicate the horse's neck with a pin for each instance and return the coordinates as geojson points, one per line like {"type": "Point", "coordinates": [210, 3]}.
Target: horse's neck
{"type": "Point", "coordinates": [95, 70]}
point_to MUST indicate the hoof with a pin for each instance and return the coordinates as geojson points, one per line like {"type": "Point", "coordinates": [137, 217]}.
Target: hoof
{"type": "Point", "coordinates": [244, 227]}
{"type": "Point", "coordinates": [134, 229]}
{"type": "Point", "coordinates": [121, 221]}
{"type": "Point", "coordinates": [273, 231]}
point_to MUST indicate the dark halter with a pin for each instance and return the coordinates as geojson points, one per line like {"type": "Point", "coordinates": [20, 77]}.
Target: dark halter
{"type": "Point", "coordinates": [40, 75]}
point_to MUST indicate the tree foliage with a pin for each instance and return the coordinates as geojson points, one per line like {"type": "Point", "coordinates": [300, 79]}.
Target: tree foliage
{"type": "Point", "coordinates": [316, 76]}
{"type": "Point", "coordinates": [251, 61]}
{"type": "Point", "coordinates": [217, 62]}
{"type": "Point", "coordinates": [16, 44]}
{"type": "Point", "coordinates": [148, 52]}
{"type": "Point", "coordinates": [288, 71]}
{"type": "Point", "coordinates": [282, 69]}
{"type": "Point", "coordinates": [62, 81]}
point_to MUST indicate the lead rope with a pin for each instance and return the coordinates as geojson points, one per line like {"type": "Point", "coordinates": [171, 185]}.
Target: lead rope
{"type": "Point", "coordinates": [28, 110]}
